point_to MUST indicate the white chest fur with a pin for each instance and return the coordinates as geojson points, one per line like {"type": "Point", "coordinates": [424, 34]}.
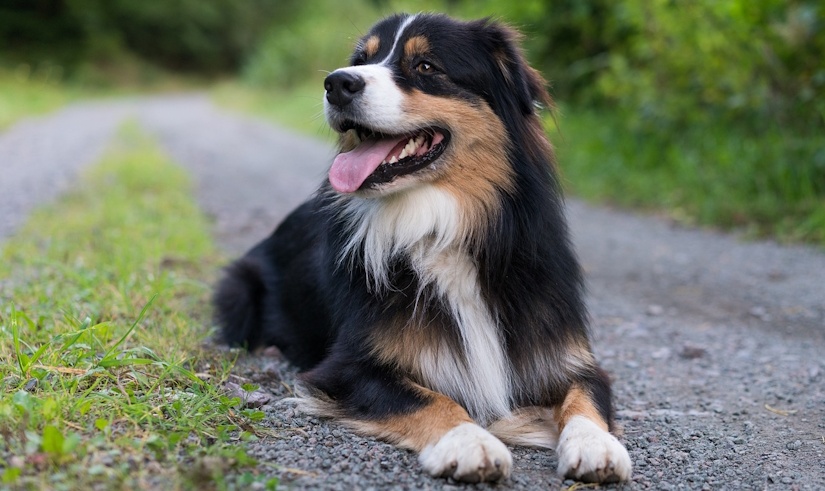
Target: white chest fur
{"type": "Point", "coordinates": [481, 381]}
{"type": "Point", "coordinates": [426, 225]}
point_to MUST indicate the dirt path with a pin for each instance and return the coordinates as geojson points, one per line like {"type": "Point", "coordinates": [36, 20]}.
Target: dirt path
{"type": "Point", "coordinates": [717, 346]}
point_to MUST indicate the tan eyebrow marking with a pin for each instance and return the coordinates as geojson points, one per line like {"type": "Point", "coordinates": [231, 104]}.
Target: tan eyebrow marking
{"type": "Point", "coordinates": [416, 45]}
{"type": "Point", "coordinates": [371, 46]}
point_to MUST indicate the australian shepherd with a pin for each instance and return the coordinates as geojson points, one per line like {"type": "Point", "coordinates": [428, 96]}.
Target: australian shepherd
{"type": "Point", "coordinates": [428, 291]}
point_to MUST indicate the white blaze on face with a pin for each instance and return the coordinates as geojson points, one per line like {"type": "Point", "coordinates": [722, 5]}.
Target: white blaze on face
{"type": "Point", "coordinates": [398, 35]}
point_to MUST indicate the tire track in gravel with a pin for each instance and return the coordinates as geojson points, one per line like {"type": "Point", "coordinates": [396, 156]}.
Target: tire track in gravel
{"type": "Point", "coordinates": [717, 347]}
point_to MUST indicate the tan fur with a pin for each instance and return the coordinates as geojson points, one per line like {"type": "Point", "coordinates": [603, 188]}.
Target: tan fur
{"type": "Point", "coordinates": [579, 355]}
{"type": "Point", "coordinates": [399, 345]}
{"type": "Point", "coordinates": [528, 426]}
{"type": "Point", "coordinates": [578, 403]}
{"type": "Point", "coordinates": [474, 167]}
{"type": "Point", "coordinates": [419, 429]}
{"type": "Point", "coordinates": [371, 46]}
{"type": "Point", "coordinates": [416, 46]}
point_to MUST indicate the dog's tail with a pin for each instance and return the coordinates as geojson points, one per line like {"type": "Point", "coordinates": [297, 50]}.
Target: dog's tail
{"type": "Point", "coordinates": [238, 302]}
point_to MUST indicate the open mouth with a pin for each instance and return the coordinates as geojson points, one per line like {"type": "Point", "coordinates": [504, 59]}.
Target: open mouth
{"type": "Point", "coordinates": [379, 157]}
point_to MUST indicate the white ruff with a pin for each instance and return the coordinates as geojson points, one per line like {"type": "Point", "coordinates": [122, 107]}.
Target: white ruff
{"type": "Point", "coordinates": [425, 225]}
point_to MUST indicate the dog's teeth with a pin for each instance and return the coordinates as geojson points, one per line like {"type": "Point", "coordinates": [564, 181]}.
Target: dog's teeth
{"type": "Point", "coordinates": [394, 159]}
{"type": "Point", "coordinates": [410, 148]}
{"type": "Point", "coordinates": [403, 154]}
{"type": "Point", "coordinates": [419, 144]}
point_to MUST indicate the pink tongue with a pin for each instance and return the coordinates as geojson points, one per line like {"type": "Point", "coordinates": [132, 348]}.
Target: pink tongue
{"type": "Point", "coordinates": [349, 170]}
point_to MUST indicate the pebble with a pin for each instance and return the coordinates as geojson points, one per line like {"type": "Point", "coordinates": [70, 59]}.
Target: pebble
{"type": "Point", "coordinates": [251, 399]}
{"type": "Point", "coordinates": [691, 352]}
{"type": "Point", "coordinates": [655, 310]}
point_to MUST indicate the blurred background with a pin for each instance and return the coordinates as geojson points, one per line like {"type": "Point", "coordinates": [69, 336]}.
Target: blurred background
{"type": "Point", "coordinates": [709, 112]}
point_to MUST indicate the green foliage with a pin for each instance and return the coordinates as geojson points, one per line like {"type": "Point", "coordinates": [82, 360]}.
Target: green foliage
{"type": "Point", "coordinates": [711, 174]}
{"type": "Point", "coordinates": [714, 110]}
{"type": "Point", "coordinates": [44, 30]}
{"type": "Point", "coordinates": [293, 52]}
{"type": "Point", "coordinates": [318, 38]}
{"type": "Point", "coordinates": [753, 63]}
{"type": "Point", "coordinates": [569, 40]}
{"type": "Point", "coordinates": [23, 93]}
{"type": "Point", "coordinates": [208, 36]}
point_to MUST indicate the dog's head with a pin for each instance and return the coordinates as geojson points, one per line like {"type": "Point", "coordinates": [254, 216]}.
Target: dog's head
{"type": "Point", "coordinates": [431, 99]}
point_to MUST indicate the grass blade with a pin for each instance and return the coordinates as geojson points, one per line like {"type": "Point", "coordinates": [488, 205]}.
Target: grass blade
{"type": "Point", "coordinates": [115, 362]}
{"type": "Point", "coordinates": [120, 341]}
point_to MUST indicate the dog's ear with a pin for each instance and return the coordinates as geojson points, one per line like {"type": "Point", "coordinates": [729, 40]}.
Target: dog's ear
{"type": "Point", "coordinates": [520, 79]}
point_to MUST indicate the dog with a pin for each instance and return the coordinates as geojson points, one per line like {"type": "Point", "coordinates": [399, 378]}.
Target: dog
{"type": "Point", "coordinates": [428, 291]}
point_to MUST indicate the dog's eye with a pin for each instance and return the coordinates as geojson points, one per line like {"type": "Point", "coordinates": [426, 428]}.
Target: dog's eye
{"type": "Point", "coordinates": [425, 68]}
{"type": "Point", "coordinates": [359, 59]}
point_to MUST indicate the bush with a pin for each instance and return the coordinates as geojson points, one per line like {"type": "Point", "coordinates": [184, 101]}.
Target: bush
{"type": "Point", "coordinates": [206, 36]}
{"type": "Point", "coordinates": [756, 63]}
{"type": "Point", "coordinates": [714, 174]}
{"type": "Point", "coordinates": [290, 53]}
{"type": "Point", "coordinates": [319, 38]}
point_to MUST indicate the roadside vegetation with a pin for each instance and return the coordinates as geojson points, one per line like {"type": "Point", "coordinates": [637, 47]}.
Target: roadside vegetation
{"type": "Point", "coordinates": [23, 95]}
{"type": "Point", "coordinates": [106, 380]}
{"type": "Point", "coordinates": [710, 175]}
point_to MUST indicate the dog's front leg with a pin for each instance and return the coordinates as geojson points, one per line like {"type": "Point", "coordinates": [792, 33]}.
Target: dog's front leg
{"type": "Point", "coordinates": [447, 440]}
{"type": "Point", "coordinates": [450, 444]}
{"type": "Point", "coordinates": [586, 449]}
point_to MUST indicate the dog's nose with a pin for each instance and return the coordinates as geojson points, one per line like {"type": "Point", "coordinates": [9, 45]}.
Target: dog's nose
{"type": "Point", "coordinates": [342, 87]}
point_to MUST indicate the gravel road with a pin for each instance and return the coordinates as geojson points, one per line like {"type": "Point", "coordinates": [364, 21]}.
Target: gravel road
{"type": "Point", "coordinates": [716, 346]}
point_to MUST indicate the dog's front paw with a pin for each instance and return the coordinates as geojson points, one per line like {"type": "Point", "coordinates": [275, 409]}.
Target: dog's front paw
{"type": "Point", "coordinates": [468, 453]}
{"type": "Point", "coordinates": [588, 453]}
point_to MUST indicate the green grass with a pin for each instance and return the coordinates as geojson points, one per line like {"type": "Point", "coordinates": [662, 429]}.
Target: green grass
{"type": "Point", "coordinates": [23, 95]}
{"type": "Point", "coordinates": [105, 380]}
{"type": "Point", "coordinates": [770, 185]}
{"type": "Point", "coordinates": [766, 185]}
